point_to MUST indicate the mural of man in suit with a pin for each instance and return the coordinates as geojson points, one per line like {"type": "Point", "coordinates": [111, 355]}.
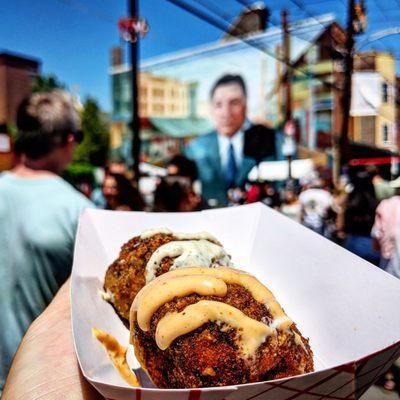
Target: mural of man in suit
{"type": "Point", "coordinates": [225, 156]}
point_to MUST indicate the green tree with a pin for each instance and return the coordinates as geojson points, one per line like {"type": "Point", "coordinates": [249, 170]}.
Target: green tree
{"type": "Point", "coordinates": [12, 130]}
{"type": "Point", "coordinates": [46, 83]}
{"type": "Point", "coordinates": [95, 146]}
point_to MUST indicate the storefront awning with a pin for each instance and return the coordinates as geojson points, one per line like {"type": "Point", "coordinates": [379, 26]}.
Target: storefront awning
{"type": "Point", "coordinates": [182, 127]}
{"type": "Point", "coordinates": [279, 170]}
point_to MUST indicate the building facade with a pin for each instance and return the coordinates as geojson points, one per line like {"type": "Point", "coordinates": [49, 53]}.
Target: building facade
{"type": "Point", "coordinates": [162, 97]}
{"type": "Point", "coordinates": [373, 109]}
{"type": "Point", "coordinates": [17, 74]}
{"type": "Point", "coordinates": [316, 100]}
{"type": "Point", "coordinates": [316, 76]}
{"type": "Point", "coordinates": [158, 96]}
{"type": "Point", "coordinates": [191, 74]}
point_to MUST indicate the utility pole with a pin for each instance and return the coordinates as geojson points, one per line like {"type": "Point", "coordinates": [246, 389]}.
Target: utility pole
{"type": "Point", "coordinates": [343, 151]}
{"type": "Point", "coordinates": [287, 98]}
{"type": "Point", "coordinates": [135, 123]}
{"type": "Point", "coordinates": [286, 60]}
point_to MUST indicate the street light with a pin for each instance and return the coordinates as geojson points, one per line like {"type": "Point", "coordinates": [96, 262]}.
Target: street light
{"type": "Point", "coordinates": [131, 29]}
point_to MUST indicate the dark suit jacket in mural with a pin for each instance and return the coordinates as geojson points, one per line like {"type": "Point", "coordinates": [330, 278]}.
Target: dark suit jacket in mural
{"type": "Point", "coordinates": [204, 150]}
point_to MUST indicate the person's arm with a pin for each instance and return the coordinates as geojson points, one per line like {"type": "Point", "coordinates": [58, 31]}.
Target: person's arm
{"type": "Point", "coordinates": [45, 366]}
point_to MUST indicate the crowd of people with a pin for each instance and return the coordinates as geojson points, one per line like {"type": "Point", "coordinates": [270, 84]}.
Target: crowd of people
{"type": "Point", "coordinates": [361, 213]}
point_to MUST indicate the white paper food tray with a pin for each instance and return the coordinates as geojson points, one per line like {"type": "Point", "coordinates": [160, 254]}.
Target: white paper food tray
{"type": "Point", "coordinates": [346, 306]}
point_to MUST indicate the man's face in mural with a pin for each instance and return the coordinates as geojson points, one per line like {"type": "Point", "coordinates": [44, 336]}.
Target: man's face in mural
{"type": "Point", "coordinates": [228, 108]}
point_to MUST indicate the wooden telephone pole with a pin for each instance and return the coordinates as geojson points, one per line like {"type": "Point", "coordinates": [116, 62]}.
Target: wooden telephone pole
{"type": "Point", "coordinates": [344, 153]}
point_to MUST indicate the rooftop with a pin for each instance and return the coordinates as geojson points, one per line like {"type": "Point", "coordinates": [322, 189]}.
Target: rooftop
{"type": "Point", "coordinates": [18, 60]}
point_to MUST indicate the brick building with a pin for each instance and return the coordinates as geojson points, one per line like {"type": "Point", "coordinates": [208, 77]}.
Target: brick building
{"type": "Point", "coordinates": [16, 77]}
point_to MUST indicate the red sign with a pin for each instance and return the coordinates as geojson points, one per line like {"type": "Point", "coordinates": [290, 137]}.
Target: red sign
{"type": "Point", "coordinates": [373, 161]}
{"type": "Point", "coordinates": [131, 27]}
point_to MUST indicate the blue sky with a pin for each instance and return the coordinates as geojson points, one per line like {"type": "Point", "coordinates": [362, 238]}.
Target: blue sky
{"type": "Point", "coordinates": [73, 38]}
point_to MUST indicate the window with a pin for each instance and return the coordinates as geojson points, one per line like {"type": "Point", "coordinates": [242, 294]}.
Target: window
{"type": "Point", "coordinates": [385, 92]}
{"type": "Point", "coordinates": [385, 134]}
{"type": "Point", "coordinates": [158, 108]}
{"type": "Point", "coordinates": [367, 134]}
{"type": "Point", "coordinates": [158, 92]}
{"type": "Point", "coordinates": [143, 92]}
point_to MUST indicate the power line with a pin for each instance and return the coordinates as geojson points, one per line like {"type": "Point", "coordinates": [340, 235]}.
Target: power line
{"type": "Point", "coordinates": [263, 49]}
{"type": "Point", "coordinates": [249, 41]}
{"type": "Point", "coordinates": [301, 7]}
{"type": "Point", "coordinates": [214, 8]}
{"type": "Point", "coordinates": [381, 10]}
{"type": "Point", "coordinates": [277, 24]}
{"type": "Point", "coordinates": [297, 3]}
{"type": "Point", "coordinates": [247, 6]}
{"type": "Point", "coordinates": [83, 8]}
{"type": "Point", "coordinates": [243, 3]}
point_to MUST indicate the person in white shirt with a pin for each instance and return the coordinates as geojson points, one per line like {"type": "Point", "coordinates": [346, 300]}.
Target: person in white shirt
{"type": "Point", "coordinates": [315, 203]}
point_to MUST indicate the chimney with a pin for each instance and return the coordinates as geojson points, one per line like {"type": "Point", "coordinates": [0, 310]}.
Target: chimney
{"type": "Point", "coordinates": [254, 19]}
{"type": "Point", "coordinates": [116, 56]}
